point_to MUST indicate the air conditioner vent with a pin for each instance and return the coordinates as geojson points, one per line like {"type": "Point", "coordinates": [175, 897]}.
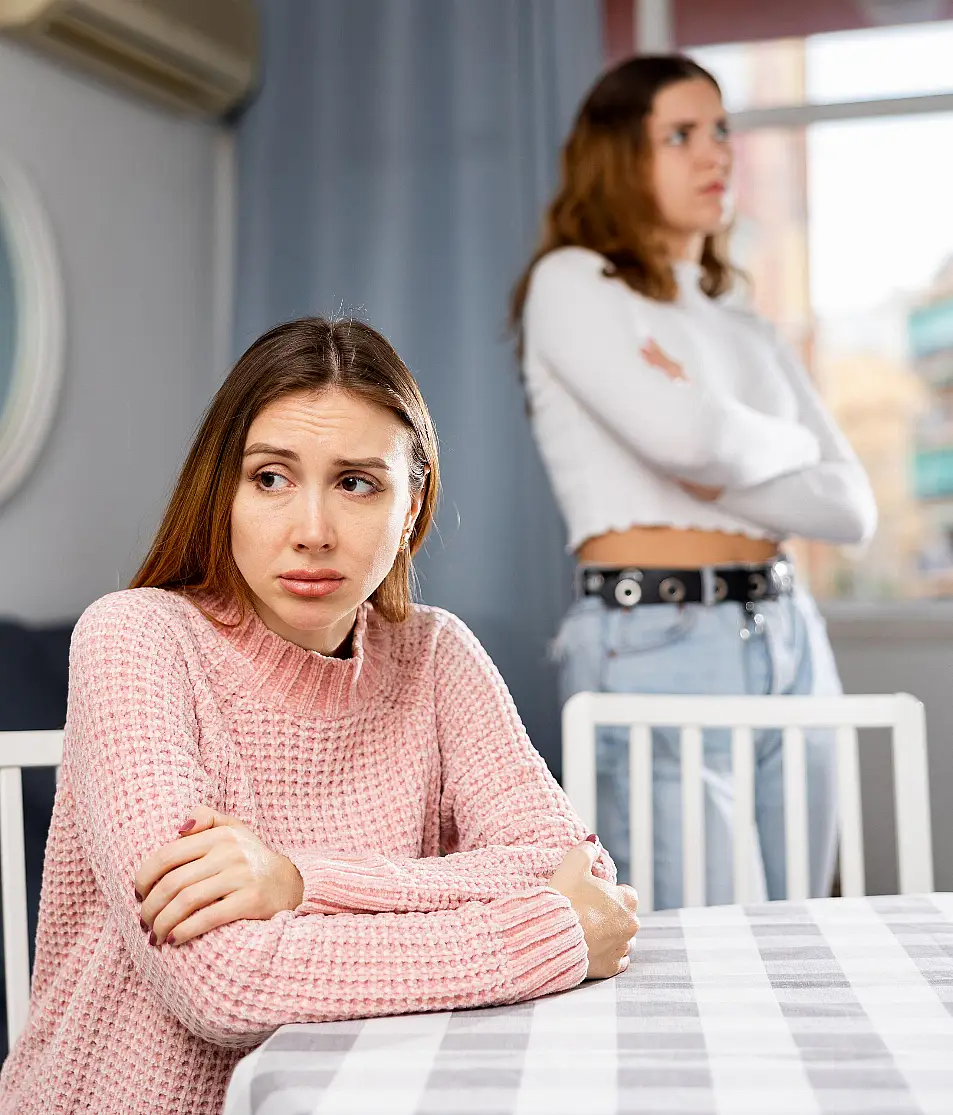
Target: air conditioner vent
{"type": "Point", "coordinates": [200, 56]}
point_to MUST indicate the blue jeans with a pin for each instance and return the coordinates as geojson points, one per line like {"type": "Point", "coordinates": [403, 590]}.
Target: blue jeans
{"type": "Point", "coordinates": [694, 648]}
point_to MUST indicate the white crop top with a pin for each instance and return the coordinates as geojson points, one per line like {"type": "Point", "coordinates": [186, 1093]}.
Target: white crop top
{"type": "Point", "coordinates": [616, 432]}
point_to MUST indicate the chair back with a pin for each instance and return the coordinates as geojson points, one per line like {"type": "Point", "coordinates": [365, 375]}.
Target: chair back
{"type": "Point", "coordinates": [18, 750]}
{"type": "Point", "coordinates": [900, 712]}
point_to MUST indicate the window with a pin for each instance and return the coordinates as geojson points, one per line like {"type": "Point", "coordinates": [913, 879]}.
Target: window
{"type": "Point", "coordinates": [844, 67]}
{"type": "Point", "coordinates": [845, 224]}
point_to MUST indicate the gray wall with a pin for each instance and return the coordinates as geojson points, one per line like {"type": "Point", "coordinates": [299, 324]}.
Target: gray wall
{"type": "Point", "coordinates": [395, 167]}
{"type": "Point", "coordinates": [892, 649]}
{"type": "Point", "coordinates": [129, 192]}
{"type": "Point", "coordinates": [7, 318]}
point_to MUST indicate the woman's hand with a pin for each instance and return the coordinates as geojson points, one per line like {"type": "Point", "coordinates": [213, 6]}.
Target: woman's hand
{"type": "Point", "coordinates": [701, 491]}
{"type": "Point", "coordinates": [216, 873]}
{"type": "Point", "coordinates": [606, 912]}
{"type": "Point", "coordinates": [653, 355]}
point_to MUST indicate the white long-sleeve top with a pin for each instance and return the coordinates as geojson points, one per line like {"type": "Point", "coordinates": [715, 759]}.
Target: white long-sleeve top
{"type": "Point", "coordinates": [617, 433]}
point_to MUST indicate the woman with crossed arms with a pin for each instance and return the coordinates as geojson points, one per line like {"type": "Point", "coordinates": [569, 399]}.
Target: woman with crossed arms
{"type": "Point", "coordinates": [685, 443]}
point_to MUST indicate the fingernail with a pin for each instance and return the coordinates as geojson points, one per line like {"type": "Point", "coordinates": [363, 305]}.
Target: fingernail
{"type": "Point", "coordinates": [592, 838]}
{"type": "Point", "coordinates": [138, 896]}
{"type": "Point", "coordinates": [143, 926]}
{"type": "Point", "coordinates": [170, 940]}
{"type": "Point", "coordinates": [187, 827]}
{"type": "Point", "coordinates": [153, 938]}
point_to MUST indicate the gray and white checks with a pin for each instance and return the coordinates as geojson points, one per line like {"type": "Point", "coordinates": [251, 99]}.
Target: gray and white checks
{"type": "Point", "coordinates": [829, 1007]}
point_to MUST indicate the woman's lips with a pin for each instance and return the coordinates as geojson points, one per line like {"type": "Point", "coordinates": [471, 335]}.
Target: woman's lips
{"type": "Point", "coordinates": [309, 584]}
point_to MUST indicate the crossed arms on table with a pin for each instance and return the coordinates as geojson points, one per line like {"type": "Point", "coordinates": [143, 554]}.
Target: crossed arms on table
{"type": "Point", "coordinates": [475, 927]}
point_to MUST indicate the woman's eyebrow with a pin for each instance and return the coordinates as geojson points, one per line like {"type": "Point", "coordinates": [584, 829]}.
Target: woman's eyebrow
{"type": "Point", "coordinates": [363, 462]}
{"type": "Point", "coordinates": [260, 448]}
{"type": "Point", "coordinates": [691, 125]}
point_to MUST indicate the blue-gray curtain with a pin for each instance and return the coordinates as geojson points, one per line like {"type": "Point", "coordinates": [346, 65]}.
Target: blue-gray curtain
{"type": "Point", "coordinates": [395, 166]}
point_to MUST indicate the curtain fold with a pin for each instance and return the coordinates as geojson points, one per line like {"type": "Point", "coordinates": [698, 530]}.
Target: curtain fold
{"type": "Point", "coordinates": [395, 167]}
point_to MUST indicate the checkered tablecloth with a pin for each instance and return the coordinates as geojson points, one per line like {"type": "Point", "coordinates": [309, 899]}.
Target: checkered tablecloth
{"type": "Point", "coordinates": [828, 1007]}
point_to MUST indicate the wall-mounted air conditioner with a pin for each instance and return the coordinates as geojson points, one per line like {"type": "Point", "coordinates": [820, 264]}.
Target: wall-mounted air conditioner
{"type": "Point", "coordinates": [197, 55]}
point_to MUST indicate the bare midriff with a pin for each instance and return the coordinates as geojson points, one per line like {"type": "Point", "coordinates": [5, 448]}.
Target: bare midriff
{"type": "Point", "coordinates": [673, 548]}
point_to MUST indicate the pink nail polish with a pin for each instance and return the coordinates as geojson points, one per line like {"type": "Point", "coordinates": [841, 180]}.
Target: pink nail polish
{"type": "Point", "coordinates": [153, 938]}
{"type": "Point", "coordinates": [592, 838]}
{"type": "Point", "coordinates": [170, 940]}
{"type": "Point", "coordinates": [187, 827]}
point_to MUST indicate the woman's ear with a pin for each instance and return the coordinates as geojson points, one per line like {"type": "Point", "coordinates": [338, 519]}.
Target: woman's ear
{"type": "Point", "coordinates": [416, 502]}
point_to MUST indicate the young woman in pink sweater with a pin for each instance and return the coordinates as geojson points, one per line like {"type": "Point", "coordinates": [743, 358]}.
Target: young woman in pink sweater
{"type": "Point", "coordinates": [268, 747]}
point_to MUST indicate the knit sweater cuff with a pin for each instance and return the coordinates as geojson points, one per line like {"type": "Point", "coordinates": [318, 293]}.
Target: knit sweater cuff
{"type": "Point", "coordinates": [340, 883]}
{"type": "Point", "coordinates": [313, 868]}
{"type": "Point", "coordinates": [543, 941]}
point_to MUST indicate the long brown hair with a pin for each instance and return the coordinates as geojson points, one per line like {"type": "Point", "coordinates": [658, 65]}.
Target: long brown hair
{"type": "Point", "coordinates": [604, 200]}
{"type": "Point", "coordinates": [192, 548]}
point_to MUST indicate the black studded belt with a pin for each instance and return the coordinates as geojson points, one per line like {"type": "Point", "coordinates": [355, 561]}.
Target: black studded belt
{"type": "Point", "coordinates": [714, 584]}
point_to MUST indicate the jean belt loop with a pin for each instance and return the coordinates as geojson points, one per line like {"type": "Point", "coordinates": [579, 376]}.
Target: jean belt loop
{"type": "Point", "coordinates": [708, 584]}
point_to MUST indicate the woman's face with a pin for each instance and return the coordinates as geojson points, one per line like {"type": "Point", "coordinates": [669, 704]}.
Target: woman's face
{"type": "Point", "coordinates": [323, 502]}
{"type": "Point", "coordinates": [691, 159]}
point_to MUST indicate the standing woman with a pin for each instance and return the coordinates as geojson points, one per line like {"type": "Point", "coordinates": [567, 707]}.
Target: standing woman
{"type": "Point", "coordinates": [685, 443]}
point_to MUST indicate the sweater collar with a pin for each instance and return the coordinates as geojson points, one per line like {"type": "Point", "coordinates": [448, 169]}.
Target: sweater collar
{"type": "Point", "coordinates": [306, 682]}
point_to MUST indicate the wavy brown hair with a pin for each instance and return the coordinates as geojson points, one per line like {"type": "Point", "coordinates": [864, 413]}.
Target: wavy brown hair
{"type": "Point", "coordinates": [192, 551]}
{"type": "Point", "coordinates": [605, 201]}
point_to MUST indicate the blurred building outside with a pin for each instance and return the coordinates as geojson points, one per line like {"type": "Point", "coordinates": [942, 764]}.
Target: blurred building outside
{"type": "Point", "coordinates": [845, 229]}
{"type": "Point", "coordinates": [930, 334]}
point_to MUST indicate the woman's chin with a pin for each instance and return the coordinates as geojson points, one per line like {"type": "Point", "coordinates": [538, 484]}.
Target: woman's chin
{"type": "Point", "coordinates": [298, 618]}
{"type": "Point", "coordinates": [714, 227]}
{"type": "Point", "coordinates": [310, 615]}
{"type": "Point", "coordinates": [713, 218]}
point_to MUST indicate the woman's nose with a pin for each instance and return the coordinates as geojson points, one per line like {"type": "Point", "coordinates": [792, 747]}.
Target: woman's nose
{"type": "Point", "coordinates": [313, 528]}
{"type": "Point", "coordinates": [715, 155]}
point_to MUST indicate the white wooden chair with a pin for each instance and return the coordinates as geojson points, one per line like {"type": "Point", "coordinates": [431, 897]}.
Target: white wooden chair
{"type": "Point", "coordinates": [18, 750]}
{"type": "Point", "coordinates": [900, 712]}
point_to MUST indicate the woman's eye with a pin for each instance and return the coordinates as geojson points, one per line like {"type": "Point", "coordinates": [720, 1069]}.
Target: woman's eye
{"type": "Point", "coordinates": [351, 485]}
{"type": "Point", "coordinates": [271, 481]}
{"type": "Point", "coordinates": [722, 132]}
{"type": "Point", "coordinates": [678, 137]}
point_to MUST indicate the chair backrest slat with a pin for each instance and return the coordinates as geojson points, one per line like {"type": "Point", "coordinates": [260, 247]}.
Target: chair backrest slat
{"type": "Point", "coordinates": [850, 818]}
{"type": "Point", "coordinates": [900, 712]}
{"type": "Point", "coordinates": [911, 787]}
{"type": "Point", "coordinates": [579, 762]}
{"type": "Point", "coordinates": [744, 851]}
{"type": "Point", "coordinates": [795, 815]}
{"type": "Point", "coordinates": [16, 940]}
{"type": "Point", "coordinates": [18, 750]}
{"type": "Point", "coordinates": [693, 818]}
{"type": "Point", "coordinates": [641, 830]}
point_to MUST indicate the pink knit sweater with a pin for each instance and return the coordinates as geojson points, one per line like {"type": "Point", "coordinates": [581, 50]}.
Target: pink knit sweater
{"type": "Point", "coordinates": [360, 771]}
